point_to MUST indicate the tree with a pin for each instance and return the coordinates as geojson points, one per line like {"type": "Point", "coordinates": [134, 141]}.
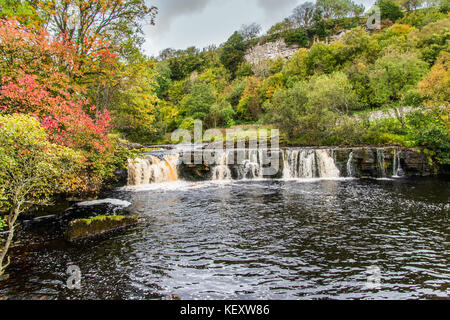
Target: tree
{"type": "Point", "coordinates": [297, 65]}
{"type": "Point", "coordinates": [30, 50]}
{"type": "Point", "coordinates": [390, 10]}
{"type": "Point", "coordinates": [184, 62]}
{"type": "Point", "coordinates": [281, 27]}
{"type": "Point", "coordinates": [432, 39]}
{"type": "Point", "coordinates": [411, 4]}
{"type": "Point", "coordinates": [249, 107]}
{"type": "Point", "coordinates": [321, 59]}
{"type": "Point", "coordinates": [233, 53]}
{"type": "Point", "coordinates": [394, 74]}
{"type": "Point", "coordinates": [251, 31]}
{"type": "Point", "coordinates": [31, 170]}
{"type": "Point", "coordinates": [303, 15]}
{"type": "Point", "coordinates": [25, 11]}
{"type": "Point", "coordinates": [298, 116]}
{"type": "Point", "coordinates": [37, 80]}
{"type": "Point", "coordinates": [333, 92]}
{"type": "Point", "coordinates": [199, 101]}
{"type": "Point", "coordinates": [435, 87]}
{"type": "Point", "coordinates": [287, 108]}
{"type": "Point", "coordinates": [86, 22]}
{"type": "Point", "coordinates": [105, 33]}
{"type": "Point", "coordinates": [359, 75]}
{"type": "Point", "coordinates": [163, 75]}
{"type": "Point", "coordinates": [358, 44]}
{"type": "Point", "coordinates": [133, 108]}
{"type": "Point", "coordinates": [221, 114]}
{"type": "Point", "coordinates": [335, 9]}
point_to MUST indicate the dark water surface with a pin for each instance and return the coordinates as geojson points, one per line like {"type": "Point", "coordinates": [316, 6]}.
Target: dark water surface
{"type": "Point", "coordinates": [259, 240]}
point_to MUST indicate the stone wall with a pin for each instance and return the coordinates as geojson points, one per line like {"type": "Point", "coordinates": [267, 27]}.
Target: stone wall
{"type": "Point", "coordinates": [270, 50]}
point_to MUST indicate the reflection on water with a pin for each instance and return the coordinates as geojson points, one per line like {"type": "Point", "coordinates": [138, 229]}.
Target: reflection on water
{"type": "Point", "coordinates": [259, 240]}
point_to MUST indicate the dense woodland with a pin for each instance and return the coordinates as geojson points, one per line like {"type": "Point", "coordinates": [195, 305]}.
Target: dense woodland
{"type": "Point", "coordinates": [75, 86]}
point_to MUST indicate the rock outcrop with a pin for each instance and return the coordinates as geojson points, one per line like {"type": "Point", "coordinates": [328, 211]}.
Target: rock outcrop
{"type": "Point", "coordinates": [82, 229]}
{"type": "Point", "coordinates": [270, 50]}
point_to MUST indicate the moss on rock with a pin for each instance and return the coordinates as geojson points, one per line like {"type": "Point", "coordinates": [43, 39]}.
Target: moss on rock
{"type": "Point", "coordinates": [86, 228]}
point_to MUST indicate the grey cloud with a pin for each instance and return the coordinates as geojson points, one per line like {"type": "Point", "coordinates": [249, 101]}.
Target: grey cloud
{"type": "Point", "coordinates": [275, 5]}
{"type": "Point", "coordinates": [169, 10]}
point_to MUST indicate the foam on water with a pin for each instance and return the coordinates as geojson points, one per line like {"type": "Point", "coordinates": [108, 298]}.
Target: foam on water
{"type": "Point", "coordinates": [115, 202]}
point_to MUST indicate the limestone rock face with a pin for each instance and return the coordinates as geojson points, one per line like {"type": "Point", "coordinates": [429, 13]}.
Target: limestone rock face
{"type": "Point", "coordinates": [270, 50]}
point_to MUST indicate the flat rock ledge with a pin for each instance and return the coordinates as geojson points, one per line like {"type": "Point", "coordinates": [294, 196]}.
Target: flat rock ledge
{"type": "Point", "coordinates": [84, 229]}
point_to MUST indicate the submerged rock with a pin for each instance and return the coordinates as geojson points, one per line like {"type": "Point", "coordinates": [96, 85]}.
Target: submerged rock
{"type": "Point", "coordinates": [87, 228]}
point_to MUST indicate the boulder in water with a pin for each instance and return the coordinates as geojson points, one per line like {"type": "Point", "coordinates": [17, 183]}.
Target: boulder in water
{"type": "Point", "coordinates": [82, 229]}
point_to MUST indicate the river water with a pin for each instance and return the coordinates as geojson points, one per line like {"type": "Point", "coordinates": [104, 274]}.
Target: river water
{"type": "Point", "coordinates": [277, 239]}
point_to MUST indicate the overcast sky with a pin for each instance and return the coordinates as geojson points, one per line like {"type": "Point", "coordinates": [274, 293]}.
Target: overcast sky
{"type": "Point", "coordinates": [184, 23]}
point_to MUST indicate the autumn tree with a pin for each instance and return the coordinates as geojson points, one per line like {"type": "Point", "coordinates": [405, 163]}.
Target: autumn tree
{"type": "Point", "coordinates": [31, 170]}
{"type": "Point", "coordinates": [435, 87]}
{"type": "Point", "coordinates": [133, 106]}
{"type": "Point", "coordinates": [86, 22]}
{"type": "Point", "coordinates": [37, 80]}
{"type": "Point", "coordinates": [25, 11]}
{"type": "Point", "coordinates": [250, 105]}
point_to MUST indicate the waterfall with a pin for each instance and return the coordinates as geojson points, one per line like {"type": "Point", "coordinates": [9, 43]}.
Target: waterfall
{"type": "Point", "coordinates": [381, 162]}
{"type": "Point", "coordinates": [251, 167]}
{"type": "Point", "coordinates": [397, 165]}
{"type": "Point", "coordinates": [308, 163]}
{"type": "Point", "coordinates": [350, 166]}
{"type": "Point", "coordinates": [326, 164]}
{"type": "Point", "coordinates": [152, 169]}
{"type": "Point", "coordinates": [222, 172]}
{"type": "Point", "coordinates": [298, 164]}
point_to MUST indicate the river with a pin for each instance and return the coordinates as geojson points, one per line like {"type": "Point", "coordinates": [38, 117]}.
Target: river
{"type": "Point", "coordinates": [257, 239]}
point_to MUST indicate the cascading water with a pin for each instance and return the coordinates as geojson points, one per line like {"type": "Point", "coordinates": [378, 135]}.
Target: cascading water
{"type": "Point", "coordinates": [307, 163]}
{"type": "Point", "coordinates": [299, 164]}
{"type": "Point", "coordinates": [248, 165]}
{"type": "Point", "coordinates": [222, 171]}
{"type": "Point", "coordinates": [251, 167]}
{"type": "Point", "coordinates": [326, 165]}
{"type": "Point", "coordinates": [381, 163]}
{"type": "Point", "coordinates": [397, 165]}
{"type": "Point", "coordinates": [152, 170]}
{"type": "Point", "coordinates": [350, 165]}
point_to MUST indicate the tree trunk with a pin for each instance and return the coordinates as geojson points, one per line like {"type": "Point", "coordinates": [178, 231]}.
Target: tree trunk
{"type": "Point", "coordinates": [12, 218]}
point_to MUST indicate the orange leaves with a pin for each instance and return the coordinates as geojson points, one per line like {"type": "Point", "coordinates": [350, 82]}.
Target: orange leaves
{"type": "Point", "coordinates": [436, 85]}
{"type": "Point", "coordinates": [29, 50]}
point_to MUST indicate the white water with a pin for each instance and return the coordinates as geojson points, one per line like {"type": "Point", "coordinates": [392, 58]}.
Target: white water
{"type": "Point", "coordinates": [222, 171]}
{"type": "Point", "coordinates": [152, 170]}
{"type": "Point", "coordinates": [115, 202]}
{"type": "Point", "coordinates": [381, 162]}
{"type": "Point", "coordinates": [308, 164]}
{"type": "Point", "coordinates": [397, 167]}
{"type": "Point", "coordinates": [327, 166]}
{"type": "Point", "coordinates": [350, 165]}
{"type": "Point", "coordinates": [298, 164]}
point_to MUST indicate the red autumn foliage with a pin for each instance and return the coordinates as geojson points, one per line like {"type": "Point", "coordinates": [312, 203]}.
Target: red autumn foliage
{"type": "Point", "coordinates": [38, 79]}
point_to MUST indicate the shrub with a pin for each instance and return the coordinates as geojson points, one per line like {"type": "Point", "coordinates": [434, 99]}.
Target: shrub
{"type": "Point", "coordinates": [31, 170]}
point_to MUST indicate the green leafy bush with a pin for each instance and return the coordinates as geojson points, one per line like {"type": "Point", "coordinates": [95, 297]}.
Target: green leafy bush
{"type": "Point", "coordinates": [428, 130]}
